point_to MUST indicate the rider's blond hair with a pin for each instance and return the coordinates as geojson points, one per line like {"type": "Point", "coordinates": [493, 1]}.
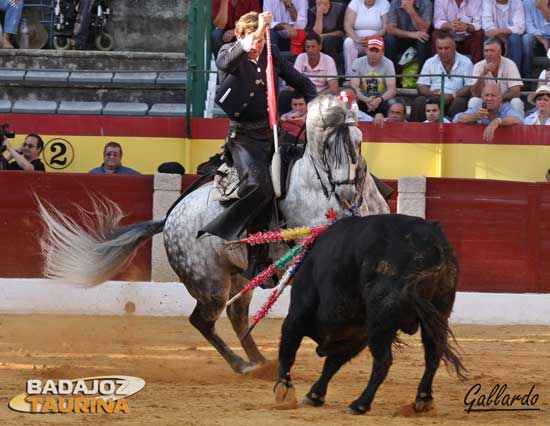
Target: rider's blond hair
{"type": "Point", "coordinates": [248, 23]}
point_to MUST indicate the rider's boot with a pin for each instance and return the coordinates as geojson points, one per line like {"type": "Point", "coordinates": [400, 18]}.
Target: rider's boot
{"type": "Point", "coordinates": [259, 260]}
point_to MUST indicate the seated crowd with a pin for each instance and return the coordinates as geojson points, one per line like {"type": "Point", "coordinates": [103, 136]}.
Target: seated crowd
{"type": "Point", "coordinates": [486, 46]}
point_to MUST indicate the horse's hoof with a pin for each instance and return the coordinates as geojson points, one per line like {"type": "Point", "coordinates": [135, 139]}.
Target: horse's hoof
{"type": "Point", "coordinates": [356, 409]}
{"type": "Point", "coordinates": [285, 396]}
{"type": "Point", "coordinates": [267, 370]}
{"type": "Point", "coordinates": [417, 408]}
{"type": "Point", "coordinates": [248, 368]}
{"type": "Point", "coordinates": [423, 405]}
{"type": "Point", "coordinates": [313, 400]}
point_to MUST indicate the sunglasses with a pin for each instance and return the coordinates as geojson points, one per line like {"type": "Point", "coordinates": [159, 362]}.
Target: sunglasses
{"type": "Point", "coordinates": [111, 154]}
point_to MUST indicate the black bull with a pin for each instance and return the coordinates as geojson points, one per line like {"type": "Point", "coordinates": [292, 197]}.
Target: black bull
{"type": "Point", "coordinates": [364, 280]}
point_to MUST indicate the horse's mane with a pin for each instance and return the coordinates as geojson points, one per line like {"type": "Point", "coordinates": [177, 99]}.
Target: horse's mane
{"type": "Point", "coordinates": [328, 131]}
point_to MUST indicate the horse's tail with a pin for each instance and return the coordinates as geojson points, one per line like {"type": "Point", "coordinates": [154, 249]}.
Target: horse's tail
{"type": "Point", "coordinates": [91, 254]}
{"type": "Point", "coordinates": [436, 325]}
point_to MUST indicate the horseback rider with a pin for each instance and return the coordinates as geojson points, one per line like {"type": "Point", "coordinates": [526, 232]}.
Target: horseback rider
{"type": "Point", "coordinates": [242, 94]}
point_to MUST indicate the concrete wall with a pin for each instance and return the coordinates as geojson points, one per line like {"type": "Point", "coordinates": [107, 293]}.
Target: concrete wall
{"type": "Point", "coordinates": [150, 26]}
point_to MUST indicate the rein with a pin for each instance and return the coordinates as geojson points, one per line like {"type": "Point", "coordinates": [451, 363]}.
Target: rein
{"type": "Point", "coordinates": [344, 136]}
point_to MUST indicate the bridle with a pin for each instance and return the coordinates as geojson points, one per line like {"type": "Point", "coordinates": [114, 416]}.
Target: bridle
{"type": "Point", "coordinates": [340, 135]}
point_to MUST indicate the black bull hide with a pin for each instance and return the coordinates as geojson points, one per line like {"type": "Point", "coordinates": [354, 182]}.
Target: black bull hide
{"type": "Point", "coordinates": [364, 280]}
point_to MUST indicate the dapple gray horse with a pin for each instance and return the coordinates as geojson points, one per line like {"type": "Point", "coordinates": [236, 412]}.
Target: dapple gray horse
{"type": "Point", "coordinates": [322, 179]}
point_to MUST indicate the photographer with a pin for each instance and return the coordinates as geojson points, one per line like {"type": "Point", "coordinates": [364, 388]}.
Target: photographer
{"type": "Point", "coordinates": [25, 157]}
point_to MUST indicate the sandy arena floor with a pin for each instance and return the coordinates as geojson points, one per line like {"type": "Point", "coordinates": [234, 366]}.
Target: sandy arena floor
{"type": "Point", "coordinates": [189, 384]}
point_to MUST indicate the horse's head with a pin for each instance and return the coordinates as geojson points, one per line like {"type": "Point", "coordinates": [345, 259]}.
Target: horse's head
{"type": "Point", "coordinates": [334, 153]}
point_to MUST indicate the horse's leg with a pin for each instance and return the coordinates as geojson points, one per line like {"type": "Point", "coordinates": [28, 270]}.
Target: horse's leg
{"type": "Point", "coordinates": [380, 347]}
{"type": "Point", "coordinates": [432, 358]}
{"type": "Point", "coordinates": [238, 315]}
{"type": "Point", "coordinates": [204, 319]}
{"type": "Point", "coordinates": [333, 363]}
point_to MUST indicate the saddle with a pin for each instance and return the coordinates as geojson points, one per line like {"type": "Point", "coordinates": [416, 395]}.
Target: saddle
{"type": "Point", "coordinates": [226, 178]}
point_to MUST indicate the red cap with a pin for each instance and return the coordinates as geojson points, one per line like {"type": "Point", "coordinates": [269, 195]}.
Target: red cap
{"type": "Point", "coordinates": [377, 42]}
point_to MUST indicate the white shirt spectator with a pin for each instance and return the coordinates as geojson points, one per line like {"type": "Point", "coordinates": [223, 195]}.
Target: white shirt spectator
{"type": "Point", "coordinates": [462, 66]}
{"type": "Point", "coordinates": [507, 69]}
{"type": "Point", "coordinates": [544, 75]}
{"type": "Point", "coordinates": [281, 15]}
{"type": "Point", "coordinates": [326, 66]}
{"type": "Point", "coordinates": [510, 15]}
{"type": "Point", "coordinates": [445, 120]}
{"type": "Point", "coordinates": [469, 12]}
{"type": "Point", "coordinates": [533, 119]}
{"type": "Point", "coordinates": [369, 19]}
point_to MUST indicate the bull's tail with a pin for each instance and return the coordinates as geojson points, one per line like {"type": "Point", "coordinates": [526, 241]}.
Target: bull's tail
{"type": "Point", "coordinates": [435, 325]}
{"type": "Point", "coordinates": [91, 254]}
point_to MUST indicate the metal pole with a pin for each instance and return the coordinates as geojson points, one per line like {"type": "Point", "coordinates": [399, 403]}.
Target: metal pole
{"type": "Point", "coordinates": [442, 98]}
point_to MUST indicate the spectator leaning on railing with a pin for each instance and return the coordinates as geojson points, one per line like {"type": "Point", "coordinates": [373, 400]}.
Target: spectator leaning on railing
{"type": "Point", "coordinates": [492, 112]}
{"type": "Point", "coordinates": [463, 18]}
{"type": "Point", "coordinates": [112, 162]}
{"type": "Point", "coordinates": [456, 88]}
{"type": "Point", "coordinates": [537, 32]}
{"type": "Point", "coordinates": [505, 19]}
{"type": "Point", "coordinates": [374, 88]}
{"type": "Point", "coordinates": [397, 113]}
{"type": "Point", "coordinates": [13, 10]}
{"type": "Point", "coordinates": [408, 24]}
{"type": "Point", "coordinates": [495, 65]}
{"type": "Point", "coordinates": [541, 98]}
{"type": "Point", "coordinates": [433, 112]}
{"type": "Point", "coordinates": [299, 108]}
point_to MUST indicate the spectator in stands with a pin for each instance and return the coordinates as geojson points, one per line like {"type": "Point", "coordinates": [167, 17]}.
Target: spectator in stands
{"type": "Point", "coordinates": [26, 157]}
{"type": "Point", "coordinates": [537, 32]}
{"type": "Point", "coordinates": [505, 19]}
{"type": "Point", "coordinates": [408, 24]}
{"type": "Point", "coordinates": [299, 108]}
{"type": "Point", "coordinates": [397, 113]}
{"type": "Point", "coordinates": [495, 65]}
{"type": "Point", "coordinates": [541, 98]}
{"type": "Point", "coordinates": [433, 112]}
{"type": "Point", "coordinates": [315, 62]}
{"type": "Point", "coordinates": [224, 15]}
{"type": "Point", "coordinates": [544, 76]}
{"type": "Point", "coordinates": [348, 95]}
{"type": "Point", "coordinates": [312, 62]}
{"type": "Point", "coordinates": [363, 19]}
{"type": "Point", "coordinates": [456, 89]}
{"type": "Point", "coordinates": [374, 89]}
{"type": "Point", "coordinates": [463, 19]}
{"type": "Point", "coordinates": [112, 162]}
{"type": "Point", "coordinates": [13, 10]}
{"type": "Point", "coordinates": [288, 17]}
{"type": "Point", "coordinates": [492, 112]}
{"type": "Point", "coordinates": [326, 18]}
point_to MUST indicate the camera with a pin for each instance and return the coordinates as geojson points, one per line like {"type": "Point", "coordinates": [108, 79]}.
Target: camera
{"type": "Point", "coordinates": [5, 134]}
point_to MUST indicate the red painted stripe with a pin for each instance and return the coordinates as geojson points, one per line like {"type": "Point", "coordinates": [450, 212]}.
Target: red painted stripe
{"type": "Point", "coordinates": [96, 125]}
{"type": "Point", "coordinates": [216, 128]}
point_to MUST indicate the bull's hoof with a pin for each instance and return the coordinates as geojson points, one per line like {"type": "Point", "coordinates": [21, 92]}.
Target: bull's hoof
{"type": "Point", "coordinates": [313, 400]}
{"type": "Point", "coordinates": [356, 409]}
{"type": "Point", "coordinates": [285, 396]}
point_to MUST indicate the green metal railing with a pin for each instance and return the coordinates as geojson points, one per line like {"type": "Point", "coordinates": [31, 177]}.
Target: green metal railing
{"type": "Point", "coordinates": [198, 59]}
